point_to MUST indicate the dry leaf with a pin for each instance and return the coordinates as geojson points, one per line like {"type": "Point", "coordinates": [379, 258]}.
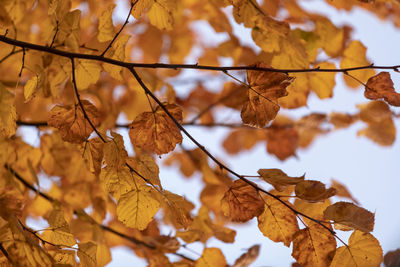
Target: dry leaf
{"type": "Point", "coordinates": [278, 178]}
{"type": "Point", "coordinates": [313, 191]}
{"type": "Point", "coordinates": [381, 86]}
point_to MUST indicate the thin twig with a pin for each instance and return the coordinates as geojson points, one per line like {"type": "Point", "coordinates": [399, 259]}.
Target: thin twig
{"type": "Point", "coordinates": [55, 34]}
{"type": "Point", "coordinates": [120, 30]}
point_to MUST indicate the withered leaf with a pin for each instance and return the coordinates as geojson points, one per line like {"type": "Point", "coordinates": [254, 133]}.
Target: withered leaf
{"type": "Point", "coordinates": [381, 86]}
{"type": "Point", "coordinates": [71, 122]}
{"type": "Point", "coordinates": [156, 132]}
{"type": "Point", "coordinates": [241, 202]}
{"type": "Point", "coordinates": [248, 257]}
{"type": "Point", "coordinates": [313, 191]}
{"type": "Point", "coordinates": [313, 246]}
{"type": "Point", "coordinates": [278, 178]}
{"type": "Point", "coordinates": [348, 214]}
{"type": "Point", "coordinates": [265, 89]}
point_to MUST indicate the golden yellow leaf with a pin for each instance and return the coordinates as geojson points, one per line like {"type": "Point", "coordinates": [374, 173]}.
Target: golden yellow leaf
{"type": "Point", "coordinates": [146, 166]}
{"type": "Point", "coordinates": [63, 256]}
{"type": "Point", "coordinates": [106, 27]}
{"type": "Point", "coordinates": [322, 83]}
{"type": "Point", "coordinates": [248, 257]}
{"type": "Point", "coordinates": [137, 208]}
{"type": "Point", "coordinates": [313, 209]}
{"type": "Point", "coordinates": [117, 52]}
{"type": "Point", "coordinates": [313, 246]}
{"type": "Point", "coordinates": [69, 30]}
{"type": "Point", "coordinates": [8, 114]}
{"type": "Point", "coordinates": [262, 104]}
{"type": "Point", "coordinates": [211, 257]}
{"type": "Point", "coordinates": [381, 86]}
{"type": "Point", "coordinates": [331, 38]}
{"type": "Point", "coordinates": [156, 132]}
{"type": "Point", "coordinates": [71, 122]}
{"type": "Point", "coordinates": [161, 15]}
{"type": "Point", "coordinates": [93, 154]}
{"type": "Point", "coordinates": [34, 84]}
{"type": "Point", "coordinates": [355, 56]}
{"type": "Point", "coordinates": [177, 209]}
{"type": "Point", "coordinates": [362, 250]}
{"type": "Point", "coordinates": [313, 191]}
{"type": "Point", "coordinates": [374, 111]}
{"type": "Point", "coordinates": [59, 232]}
{"type": "Point", "coordinates": [277, 222]}
{"type": "Point", "coordinates": [87, 254]}
{"type": "Point", "coordinates": [117, 181]}
{"type": "Point", "coordinates": [278, 178]}
{"type": "Point", "coordinates": [141, 6]}
{"type": "Point", "coordinates": [341, 120]}
{"type": "Point", "coordinates": [348, 214]}
{"type": "Point", "coordinates": [241, 202]}
{"type": "Point", "coordinates": [87, 72]}
{"type": "Point", "coordinates": [114, 152]}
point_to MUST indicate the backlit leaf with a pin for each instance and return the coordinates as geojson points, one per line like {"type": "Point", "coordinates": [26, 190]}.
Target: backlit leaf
{"type": "Point", "coordinates": [266, 87]}
{"type": "Point", "coordinates": [71, 122]}
{"type": "Point", "coordinates": [313, 246]}
{"type": "Point", "coordinates": [8, 114]}
{"type": "Point", "coordinates": [362, 250]}
{"type": "Point", "coordinates": [350, 215]}
{"type": "Point", "coordinates": [87, 254]}
{"type": "Point", "coordinates": [322, 83]}
{"type": "Point", "coordinates": [137, 208]}
{"type": "Point", "coordinates": [114, 152]}
{"type": "Point", "coordinates": [87, 72]}
{"type": "Point", "coordinates": [161, 14]}
{"type": "Point", "coordinates": [117, 181]}
{"type": "Point", "coordinates": [59, 229]}
{"type": "Point", "coordinates": [241, 202]}
{"type": "Point", "coordinates": [381, 86]}
{"type": "Point", "coordinates": [277, 222]}
{"type": "Point", "coordinates": [156, 132]}
{"type": "Point", "coordinates": [106, 27]}
{"type": "Point", "coordinates": [211, 257]}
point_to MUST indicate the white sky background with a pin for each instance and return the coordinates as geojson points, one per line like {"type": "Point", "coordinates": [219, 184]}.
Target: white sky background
{"type": "Point", "coordinates": [369, 171]}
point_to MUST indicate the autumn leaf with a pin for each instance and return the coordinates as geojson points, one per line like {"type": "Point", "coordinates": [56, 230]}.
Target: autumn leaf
{"type": "Point", "coordinates": [381, 86]}
{"type": "Point", "coordinates": [313, 191]}
{"type": "Point", "coordinates": [156, 132]}
{"type": "Point", "coordinates": [59, 232]}
{"type": "Point", "coordinates": [106, 27]}
{"type": "Point", "coordinates": [161, 14]}
{"type": "Point", "coordinates": [323, 83]}
{"type": "Point", "coordinates": [362, 250]}
{"type": "Point", "coordinates": [248, 257]}
{"type": "Point", "coordinates": [87, 254]}
{"type": "Point", "coordinates": [392, 258]}
{"type": "Point", "coordinates": [342, 191]}
{"type": "Point", "coordinates": [241, 202]}
{"type": "Point", "coordinates": [8, 114]}
{"type": "Point", "coordinates": [350, 215]}
{"type": "Point", "coordinates": [115, 154]}
{"type": "Point", "coordinates": [178, 209]}
{"type": "Point", "coordinates": [277, 222]}
{"type": "Point", "coordinates": [278, 178]}
{"type": "Point", "coordinates": [117, 182]}
{"type": "Point", "coordinates": [265, 88]}
{"type": "Point", "coordinates": [71, 121]}
{"type": "Point", "coordinates": [313, 246]}
{"type": "Point", "coordinates": [87, 73]}
{"type": "Point", "coordinates": [137, 207]}
{"type": "Point", "coordinates": [211, 257]}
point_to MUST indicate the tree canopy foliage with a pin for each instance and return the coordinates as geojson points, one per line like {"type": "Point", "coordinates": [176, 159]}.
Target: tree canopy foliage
{"type": "Point", "coordinates": [77, 74]}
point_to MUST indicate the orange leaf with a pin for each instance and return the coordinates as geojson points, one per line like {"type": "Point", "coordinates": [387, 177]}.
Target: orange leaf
{"type": "Point", "coordinates": [262, 104]}
{"type": "Point", "coordinates": [156, 132]}
{"type": "Point", "coordinates": [278, 178]}
{"type": "Point", "coordinates": [313, 246]}
{"type": "Point", "coordinates": [363, 250]}
{"type": "Point", "coordinates": [241, 202]}
{"type": "Point", "coordinates": [313, 191]}
{"type": "Point", "coordinates": [277, 222]}
{"type": "Point", "coordinates": [71, 122]}
{"type": "Point", "coordinates": [247, 258]}
{"type": "Point", "coordinates": [350, 215]}
{"type": "Point", "coordinates": [211, 257]}
{"type": "Point", "coordinates": [381, 86]}
{"type": "Point", "coordinates": [341, 190]}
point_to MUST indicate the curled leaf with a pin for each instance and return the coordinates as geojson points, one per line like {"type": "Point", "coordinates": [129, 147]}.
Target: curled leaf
{"type": "Point", "coordinates": [348, 214]}
{"type": "Point", "coordinates": [241, 202]}
{"type": "Point", "coordinates": [71, 122]}
{"type": "Point", "coordinates": [381, 86]}
{"type": "Point", "coordinates": [313, 191]}
{"type": "Point", "coordinates": [156, 132]}
{"type": "Point", "coordinates": [248, 257]}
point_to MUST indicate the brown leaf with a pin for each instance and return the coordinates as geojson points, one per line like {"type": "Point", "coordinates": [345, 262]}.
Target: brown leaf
{"type": "Point", "coordinates": [248, 257]}
{"type": "Point", "coordinates": [350, 215]}
{"type": "Point", "coordinates": [262, 104]}
{"type": "Point", "coordinates": [313, 246]}
{"type": "Point", "coordinates": [313, 191]}
{"type": "Point", "coordinates": [341, 120]}
{"type": "Point", "coordinates": [392, 258]}
{"type": "Point", "coordinates": [341, 190]}
{"type": "Point", "coordinates": [156, 132]}
{"type": "Point", "coordinates": [282, 142]}
{"type": "Point", "coordinates": [278, 178]}
{"type": "Point", "coordinates": [71, 122]}
{"type": "Point", "coordinates": [241, 202]}
{"type": "Point", "coordinates": [381, 86]}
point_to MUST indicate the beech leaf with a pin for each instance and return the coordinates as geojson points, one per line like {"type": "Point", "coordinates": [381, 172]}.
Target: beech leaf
{"type": "Point", "coordinates": [313, 191]}
{"type": "Point", "coordinates": [156, 132]}
{"type": "Point", "coordinates": [278, 178]}
{"type": "Point", "coordinates": [381, 86]}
